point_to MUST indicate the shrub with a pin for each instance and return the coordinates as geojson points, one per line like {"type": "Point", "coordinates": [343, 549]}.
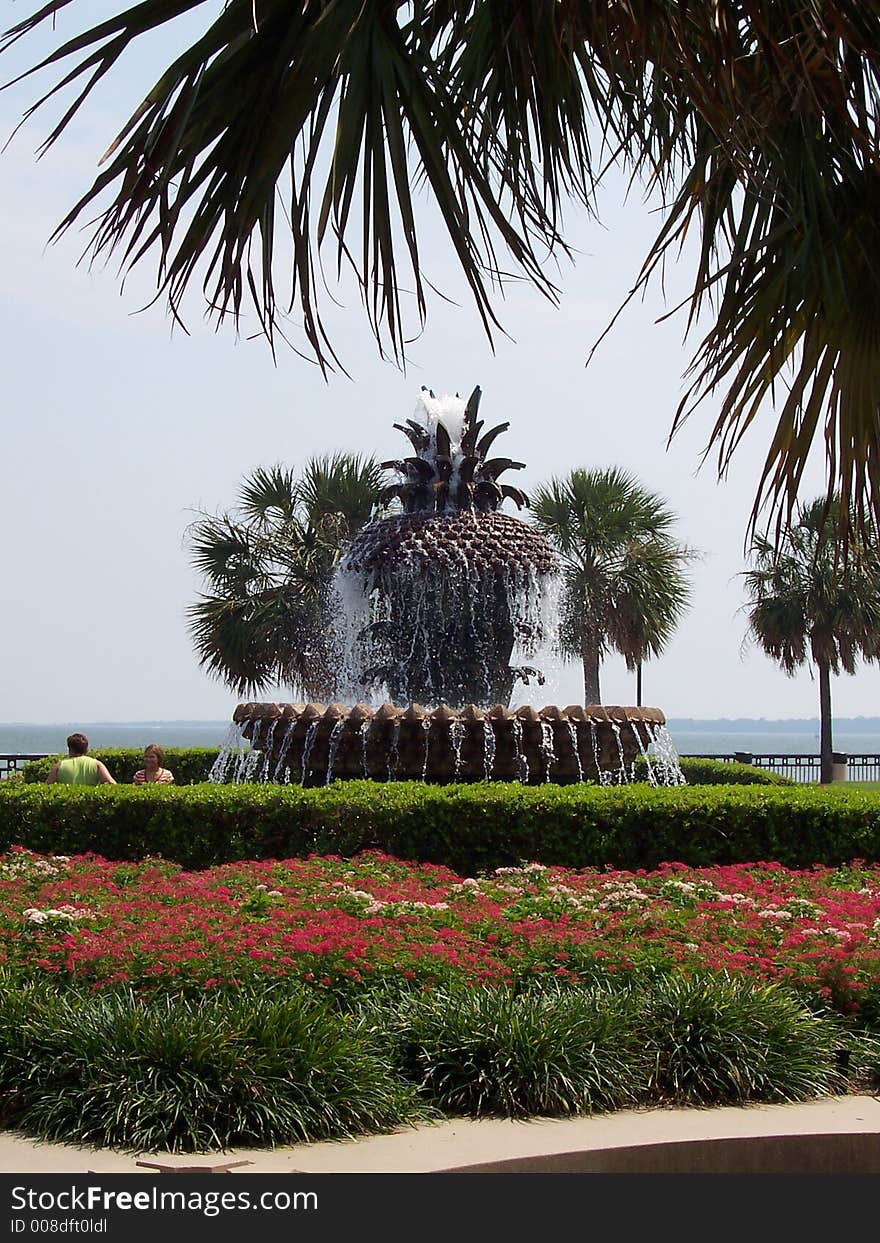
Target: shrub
{"type": "Point", "coordinates": [715, 1040]}
{"type": "Point", "coordinates": [186, 1076]}
{"type": "Point", "coordinates": [493, 1051]}
{"type": "Point", "coordinates": [189, 764]}
{"type": "Point", "coordinates": [273, 1065]}
{"type": "Point", "coordinates": [470, 828]}
{"type": "Point", "coordinates": [699, 771]}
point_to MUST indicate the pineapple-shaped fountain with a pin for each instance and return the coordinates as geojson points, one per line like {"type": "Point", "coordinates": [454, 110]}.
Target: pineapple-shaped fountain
{"type": "Point", "coordinates": [451, 600]}
{"type": "Point", "coordinates": [443, 607]}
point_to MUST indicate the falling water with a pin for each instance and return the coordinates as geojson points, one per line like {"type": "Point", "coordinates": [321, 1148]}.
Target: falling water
{"type": "Point", "coordinates": [332, 748]}
{"type": "Point", "coordinates": [572, 730]}
{"type": "Point", "coordinates": [489, 745]}
{"type": "Point", "coordinates": [621, 773]}
{"type": "Point", "coordinates": [241, 761]}
{"type": "Point", "coordinates": [250, 766]}
{"type": "Point", "coordinates": [282, 752]}
{"type": "Point", "coordinates": [456, 733]}
{"type": "Point", "coordinates": [603, 773]}
{"type": "Point", "coordinates": [548, 748]}
{"type": "Point", "coordinates": [394, 751]}
{"type": "Point", "coordinates": [426, 726]}
{"type": "Point", "coordinates": [667, 756]}
{"type": "Point", "coordinates": [307, 749]}
{"type": "Point", "coordinates": [531, 747]}
{"type": "Point", "coordinates": [652, 777]}
{"type": "Point", "coordinates": [522, 764]}
{"type": "Point", "coordinates": [230, 749]}
{"type": "Point", "coordinates": [267, 751]}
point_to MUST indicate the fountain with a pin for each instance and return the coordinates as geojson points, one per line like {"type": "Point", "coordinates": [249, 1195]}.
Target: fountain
{"type": "Point", "coordinates": [442, 609]}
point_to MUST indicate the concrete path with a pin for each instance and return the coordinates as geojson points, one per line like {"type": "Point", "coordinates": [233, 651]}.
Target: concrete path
{"type": "Point", "coordinates": [837, 1135]}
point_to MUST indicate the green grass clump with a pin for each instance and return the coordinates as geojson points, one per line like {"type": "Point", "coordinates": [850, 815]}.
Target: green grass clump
{"type": "Point", "coordinates": [712, 1040]}
{"type": "Point", "coordinates": [186, 1076]}
{"type": "Point", "coordinates": [496, 1052]}
{"type": "Point", "coordinates": [276, 1064]}
{"type": "Point", "coordinates": [562, 1051]}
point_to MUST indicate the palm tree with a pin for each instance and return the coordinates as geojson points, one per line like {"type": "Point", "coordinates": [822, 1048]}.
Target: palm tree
{"type": "Point", "coordinates": [816, 598]}
{"type": "Point", "coordinates": [264, 619]}
{"type": "Point", "coordinates": [625, 586]}
{"type": "Point", "coordinates": [754, 120]}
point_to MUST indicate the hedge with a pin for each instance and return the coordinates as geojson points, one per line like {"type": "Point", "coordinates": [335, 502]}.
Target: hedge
{"type": "Point", "coordinates": [189, 764]}
{"type": "Point", "coordinates": [467, 827]}
{"type": "Point", "coordinates": [193, 764]}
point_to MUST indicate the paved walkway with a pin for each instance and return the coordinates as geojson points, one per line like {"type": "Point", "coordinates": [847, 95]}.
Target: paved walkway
{"type": "Point", "coordinates": [838, 1135]}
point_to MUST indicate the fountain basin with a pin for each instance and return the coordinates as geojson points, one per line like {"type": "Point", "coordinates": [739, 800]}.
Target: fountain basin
{"type": "Point", "coordinates": [316, 743]}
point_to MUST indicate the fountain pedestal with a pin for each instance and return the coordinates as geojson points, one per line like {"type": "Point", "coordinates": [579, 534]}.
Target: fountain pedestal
{"type": "Point", "coordinates": [317, 743]}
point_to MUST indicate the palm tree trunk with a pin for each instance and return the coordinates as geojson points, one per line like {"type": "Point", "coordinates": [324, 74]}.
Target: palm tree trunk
{"type": "Point", "coordinates": [590, 657]}
{"type": "Point", "coordinates": [825, 747]}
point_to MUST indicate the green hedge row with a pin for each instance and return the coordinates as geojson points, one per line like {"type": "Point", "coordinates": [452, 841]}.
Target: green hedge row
{"type": "Point", "coordinates": [193, 764]}
{"type": "Point", "coordinates": [467, 827]}
{"type": "Point", "coordinates": [189, 764]}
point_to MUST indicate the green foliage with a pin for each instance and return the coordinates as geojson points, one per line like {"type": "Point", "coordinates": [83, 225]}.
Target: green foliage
{"type": "Point", "coordinates": [263, 619]}
{"type": "Point", "coordinates": [189, 764]}
{"type": "Point", "coordinates": [705, 772]}
{"type": "Point", "coordinates": [250, 1067]}
{"type": "Point", "coordinates": [275, 1064]}
{"type": "Point", "coordinates": [755, 123]}
{"type": "Point", "coordinates": [815, 597]}
{"type": "Point", "coordinates": [713, 1040]}
{"type": "Point", "coordinates": [625, 588]}
{"type": "Point", "coordinates": [469, 828]}
{"type": "Point", "coordinates": [493, 1051]}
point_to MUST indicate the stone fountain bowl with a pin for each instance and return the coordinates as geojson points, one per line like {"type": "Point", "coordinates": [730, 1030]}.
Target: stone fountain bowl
{"type": "Point", "coordinates": [316, 743]}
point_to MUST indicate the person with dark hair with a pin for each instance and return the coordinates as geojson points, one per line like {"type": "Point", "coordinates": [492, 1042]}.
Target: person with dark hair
{"type": "Point", "coordinates": [79, 769]}
{"type": "Point", "coordinates": [152, 769]}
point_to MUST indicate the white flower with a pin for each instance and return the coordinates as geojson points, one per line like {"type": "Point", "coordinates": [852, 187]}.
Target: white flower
{"type": "Point", "coordinates": [35, 916]}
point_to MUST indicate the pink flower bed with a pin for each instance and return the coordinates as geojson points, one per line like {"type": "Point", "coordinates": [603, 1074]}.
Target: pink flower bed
{"type": "Point", "coordinates": [349, 922]}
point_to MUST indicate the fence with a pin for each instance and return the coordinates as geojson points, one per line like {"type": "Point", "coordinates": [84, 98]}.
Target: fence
{"type": "Point", "coordinates": [14, 763]}
{"type": "Point", "coordinates": [801, 768]}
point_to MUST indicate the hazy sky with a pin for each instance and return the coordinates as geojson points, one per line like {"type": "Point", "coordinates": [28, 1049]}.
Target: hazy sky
{"type": "Point", "coordinates": [117, 428]}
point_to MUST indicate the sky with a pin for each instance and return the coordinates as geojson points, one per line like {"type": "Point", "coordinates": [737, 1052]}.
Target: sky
{"type": "Point", "coordinates": [119, 427]}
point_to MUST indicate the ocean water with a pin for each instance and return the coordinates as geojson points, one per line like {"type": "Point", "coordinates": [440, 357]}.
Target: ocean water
{"type": "Point", "coordinates": [721, 743]}
{"type": "Point", "coordinates": [786, 739]}
{"type": "Point", "coordinates": [690, 737]}
{"type": "Point", "coordinates": [51, 739]}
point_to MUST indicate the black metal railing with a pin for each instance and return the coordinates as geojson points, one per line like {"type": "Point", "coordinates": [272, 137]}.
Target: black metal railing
{"type": "Point", "coordinates": [14, 763]}
{"type": "Point", "coordinates": [801, 768]}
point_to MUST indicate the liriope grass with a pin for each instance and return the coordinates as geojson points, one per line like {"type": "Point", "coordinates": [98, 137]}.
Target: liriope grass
{"type": "Point", "coordinates": [278, 1065]}
{"type": "Point", "coordinates": [712, 1040]}
{"type": "Point", "coordinates": [184, 1075]}
{"type": "Point", "coordinates": [496, 1052]}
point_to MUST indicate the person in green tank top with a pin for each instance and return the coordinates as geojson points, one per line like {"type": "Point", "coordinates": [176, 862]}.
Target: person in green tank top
{"type": "Point", "coordinates": [79, 769]}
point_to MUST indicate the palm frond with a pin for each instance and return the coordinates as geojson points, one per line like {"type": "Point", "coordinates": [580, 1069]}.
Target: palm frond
{"type": "Point", "coordinates": [625, 586]}
{"type": "Point", "coordinates": [314, 126]}
{"type": "Point", "coordinates": [816, 594]}
{"type": "Point", "coordinates": [266, 617]}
